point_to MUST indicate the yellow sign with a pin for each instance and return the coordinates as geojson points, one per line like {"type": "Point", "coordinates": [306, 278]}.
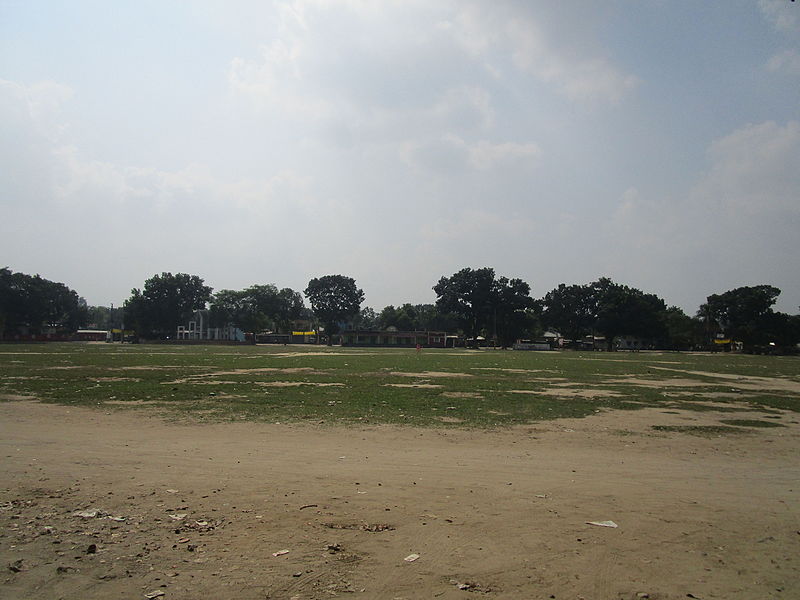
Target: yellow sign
{"type": "Point", "coordinates": [304, 333]}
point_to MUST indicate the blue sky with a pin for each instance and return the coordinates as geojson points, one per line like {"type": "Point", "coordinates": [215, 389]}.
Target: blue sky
{"type": "Point", "coordinates": [655, 142]}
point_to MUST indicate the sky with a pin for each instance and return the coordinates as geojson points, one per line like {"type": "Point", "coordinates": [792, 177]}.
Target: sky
{"type": "Point", "coordinates": [656, 142]}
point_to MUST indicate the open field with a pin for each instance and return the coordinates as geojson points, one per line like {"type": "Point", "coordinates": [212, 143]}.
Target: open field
{"type": "Point", "coordinates": [433, 387]}
{"type": "Point", "coordinates": [129, 470]}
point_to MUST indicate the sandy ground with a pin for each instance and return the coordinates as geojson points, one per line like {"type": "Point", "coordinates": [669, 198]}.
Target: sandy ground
{"type": "Point", "coordinates": [197, 511]}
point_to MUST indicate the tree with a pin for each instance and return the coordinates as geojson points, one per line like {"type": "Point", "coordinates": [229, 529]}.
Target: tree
{"type": "Point", "coordinates": [623, 310]}
{"type": "Point", "coordinates": [469, 295]}
{"type": "Point", "coordinates": [256, 308]}
{"type": "Point", "coordinates": [604, 307]}
{"type": "Point", "coordinates": [512, 306]}
{"type": "Point", "coordinates": [366, 319]}
{"type": "Point", "coordinates": [103, 317]}
{"type": "Point", "coordinates": [416, 317]}
{"type": "Point", "coordinates": [289, 308]}
{"type": "Point", "coordinates": [387, 317]}
{"type": "Point", "coordinates": [742, 313]}
{"type": "Point", "coordinates": [483, 304]}
{"type": "Point", "coordinates": [165, 302]}
{"type": "Point", "coordinates": [682, 332]}
{"type": "Point", "coordinates": [780, 332]}
{"type": "Point", "coordinates": [570, 310]}
{"type": "Point", "coordinates": [334, 298]}
{"type": "Point", "coordinates": [430, 318]}
{"type": "Point", "coordinates": [404, 318]}
{"type": "Point", "coordinates": [32, 303]}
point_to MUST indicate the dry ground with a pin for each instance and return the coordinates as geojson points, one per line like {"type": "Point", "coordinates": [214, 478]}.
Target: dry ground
{"type": "Point", "coordinates": [197, 510]}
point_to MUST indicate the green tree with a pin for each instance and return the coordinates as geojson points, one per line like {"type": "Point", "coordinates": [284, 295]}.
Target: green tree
{"type": "Point", "coordinates": [604, 307]}
{"type": "Point", "coordinates": [742, 314]}
{"type": "Point", "coordinates": [780, 332]}
{"type": "Point", "coordinates": [104, 317]}
{"type": "Point", "coordinates": [482, 303]}
{"type": "Point", "coordinates": [513, 310]}
{"type": "Point", "coordinates": [404, 318]}
{"type": "Point", "coordinates": [165, 302]}
{"type": "Point", "coordinates": [571, 310]}
{"type": "Point", "coordinates": [682, 332]}
{"type": "Point", "coordinates": [366, 319]}
{"type": "Point", "coordinates": [32, 303]}
{"type": "Point", "coordinates": [257, 308]}
{"type": "Point", "coordinates": [430, 318]}
{"type": "Point", "coordinates": [334, 298]}
{"type": "Point", "coordinates": [469, 296]}
{"type": "Point", "coordinates": [289, 308]}
{"type": "Point", "coordinates": [623, 310]}
{"type": "Point", "coordinates": [387, 317]}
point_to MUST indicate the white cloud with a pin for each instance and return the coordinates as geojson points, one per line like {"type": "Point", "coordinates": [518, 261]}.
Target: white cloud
{"type": "Point", "coordinates": [754, 169]}
{"type": "Point", "coordinates": [369, 70]}
{"type": "Point", "coordinates": [486, 155]}
{"type": "Point", "coordinates": [40, 103]}
{"type": "Point", "coordinates": [584, 78]}
{"type": "Point", "coordinates": [737, 225]}
{"type": "Point", "coordinates": [475, 224]}
{"type": "Point", "coordinates": [787, 61]}
{"type": "Point", "coordinates": [143, 220]}
{"type": "Point", "coordinates": [491, 33]}
{"type": "Point", "coordinates": [782, 14]}
{"type": "Point", "coordinates": [450, 153]}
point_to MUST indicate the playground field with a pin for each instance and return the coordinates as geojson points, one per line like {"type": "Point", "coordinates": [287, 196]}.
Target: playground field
{"type": "Point", "coordinates": [187, 471]}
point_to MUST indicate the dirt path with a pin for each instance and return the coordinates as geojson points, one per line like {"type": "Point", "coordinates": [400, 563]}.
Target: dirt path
{"type": "Point", "coordinates": [197, 511]}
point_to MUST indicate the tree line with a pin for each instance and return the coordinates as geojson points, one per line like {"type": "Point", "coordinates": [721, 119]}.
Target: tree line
{"type": "Point", "coordinates": [471, 302]}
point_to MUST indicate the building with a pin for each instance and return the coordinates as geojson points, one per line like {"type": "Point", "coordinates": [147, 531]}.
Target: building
{"type": "Point", "coordinates": [92, 335]}
{"type": "Point", "coordinates": [199, 329]}
{"type": "Point", "coordinates": [394, 339]}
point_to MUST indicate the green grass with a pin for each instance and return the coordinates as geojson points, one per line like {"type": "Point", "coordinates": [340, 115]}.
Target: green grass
{"type": "Point", "coordinates": [750, 423]}
{"type": "Point", "coordinates": [701, 430]}
{"type": "Point", "coordinates": [280, 383]}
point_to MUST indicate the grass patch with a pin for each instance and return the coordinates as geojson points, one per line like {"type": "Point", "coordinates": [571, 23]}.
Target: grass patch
{"type": "Point", "coordinates": [451, 388]}
{"type": "Point", "coordinates": [701, 430]}
{"type": "Point", "coordinates": [750, 423]}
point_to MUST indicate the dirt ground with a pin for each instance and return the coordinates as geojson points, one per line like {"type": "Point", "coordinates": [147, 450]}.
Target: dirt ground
{"type": "Point", "coordinates": [123, 504]}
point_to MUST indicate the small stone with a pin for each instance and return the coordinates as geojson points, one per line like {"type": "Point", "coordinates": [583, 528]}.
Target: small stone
{"type": "Point", "coordinates": [16, 566]}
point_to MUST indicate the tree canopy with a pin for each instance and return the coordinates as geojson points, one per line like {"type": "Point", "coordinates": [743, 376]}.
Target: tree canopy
{"type": "Point", "coordinates": [334, 298]}
{"type": "Point", "coordinates": [30, 303]}
{"type": "Point", "coordinates": [745, 314]}
{"type": "Point", "coordinates": [570, 309]}
{"type": "Point", "coordinates": [165, 302]}
{"type": "Point", "coordinates": [623, 310]}
{"type": "Point", "coordinates": [471, 302]}
{"type": "Point", "coordinates": [604, 307]}
{"type": "Point", "coordinates": [480, 302]}
{"type": "Point", "coordinates": [256, 308]}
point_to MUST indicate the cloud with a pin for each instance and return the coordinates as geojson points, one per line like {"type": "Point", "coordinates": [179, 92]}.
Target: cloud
{"type": "Point", "coordinates": [781, 14]}
{"type": "Point", "coordinates": [754, 169]}
{"type": "Point", "coordinates": [451, 154]}
{"type": "Point", "coordinates": [580, 79]}
{"type": "Point", "coordinates": [492, 33]}
{"type": "Point", "coordinates": [31, 122]}
{"type": "Point", "coordinates": [360, 66]}
{"type": "Point", "coordinates": [737, 225]}
{"type": "Point", "coordinates": [787, 61]}
{"type": "Point", "coordinates": [140, 219]}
